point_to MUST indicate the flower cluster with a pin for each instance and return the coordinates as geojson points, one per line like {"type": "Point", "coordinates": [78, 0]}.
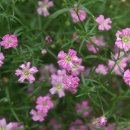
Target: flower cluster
{"type": "Point", "coordinates": [43, 105]}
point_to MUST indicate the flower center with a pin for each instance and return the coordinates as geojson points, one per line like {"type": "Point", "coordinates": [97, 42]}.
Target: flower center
{"type": "Point", "coordinates": [44, 104]}
{"type": "Point", "coordinates": [75, 67]}
{"type": "Point", "coordinates": [44, 6]}
{"type": "Point", "coordinates": [125, 39]}
{"type": "Point", "coordinates": [59, 86]}
{"type": "Point", "coordinates": [68, 58]}
{"type": "Point", "coordinates": [26, 72]}
{"type": "Point", "coordinates": [9, 41]}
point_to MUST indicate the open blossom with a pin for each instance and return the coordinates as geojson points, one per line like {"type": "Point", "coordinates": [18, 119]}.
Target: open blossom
{"type": "Point", "coordinates": [43, 7]}
{"type": "Point", "coordinates": [9, 41]}
{"type": "Point", "coordinates": [10, 126]}
{"type": "Point", "coordinates": [78, 14]}
{"type": "Point", "coordinates": [83, 108]}
{"type": "Point", "coordinates": [1, 59]}
{"type": "Point", "coordinates": [26, 72]}
{"type": "Point", "coordinates": [57, 82]}
{"type": "Point", "coordinates": [103, 24]}
{"type": "Point", "coordinates": [123, 39]}
{"type": "Point", "coordinates": [44, 104]}
{"type": "Point", "coordinates": [37, 116]}
{"type": "Point", "coordinates": [67, 60]}
{"type": "Point", "coordinates": [98, 41]}
{"type": "Point", "coordinates": [77, 125]}
{"type": "Point", "coordinates": [101, 69]}
{"type": "Point", "coordinates": [119, 65]}
{"type": "Point", "coordinates": [126, 77]}
{"type": "Point", "coordinates": [77, 68]}
{"type": "Point", "coordinates": [71, 83]}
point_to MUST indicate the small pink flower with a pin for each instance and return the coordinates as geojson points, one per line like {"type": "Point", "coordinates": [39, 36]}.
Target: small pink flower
{"type": "Point", "coordinates": [77, 125]}
{"type": "Point", "coordinates": [9, 41]}
{"type": "Point", "coordinates": [101, 69]}
{"type": "Point", "coordinates": [78, 14]}
{"type": "Point", "coordinates": [1, 59]}
{"type": "Point", "coordinates": [44, 104]}
{"type": "Point", "coordinates": [123, 39]}
{"type": "Point", "coordinates": [26, 72]}
{"type": "Point", "coordinates": [104, 24]}
{"type": "Point", "coordinates": [83, 108]}
{"type": "Point", "coordinates": [126, 77]}
{"type": "Point", "coordinates": [99, 122]}
{"type": "Point", "coordinates": [71, 83]}
{"type": "Point", "coordinates": [57, 82]}
{"type": "Point", "coordinates": [48, 39]}
{"type": "Point", "coordinates": [37, 116]}
{"type": "Point", "coordinates": [110, 127]}
{"type": "Point", "coordinates": [119, 65]}
{"type": "Point", "coordinates": [15, 126]}
{"type": "Point", "coordinates": [98, 41]}
{"type": "Point", "coordinates": [77, 68]}
{"type": "Point", "coordinates": [75, 37]}
{"type": "Point", "coordinates": [43, 7]}
{"type": "Point", "coordinates": [67, 60]}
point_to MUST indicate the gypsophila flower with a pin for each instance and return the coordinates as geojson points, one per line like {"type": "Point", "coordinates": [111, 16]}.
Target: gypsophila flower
{"type": "Point", "coordinates": [1, 59]}
{"type": "Point", "coordinates": [123, 39]}
{"type": "Point", "coordinates": [83, 108]}
{"type": "Point", "coordinates": [43, 7]}
{"type": "Point", "coordinates": [103, 24]}
{"type": "Point", "coordinates": [71, 83]}
{"type": "Point", "coordinates": [101, 69]}
{"type": "Point", "coordinates": [126, 77]}
{"type": "Point", "coordinates": [67, 60]}
{"type": "Point", "coordinates": [37, 116]}
{"type": "Point", "coordinates": [78, 14]}
{"type": "Point", "coordinates": [57, 82]}
{"type": "Point", "coordinates": [9, 41]}
{"type": "Point", "coordinates": [44, 51]}
{"type": "Point", "coordinates": [26, 72]}
{"type": "Point", "coordinates": [44, 104]}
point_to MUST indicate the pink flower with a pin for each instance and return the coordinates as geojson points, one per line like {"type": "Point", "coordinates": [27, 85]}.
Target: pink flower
{"type": "Point", "coordinates": [99, 122]}
{"type": "Point", "coordinates": [75, 37]}
{"type": "Point", "coordinates": [37, 116]}
{"type": "Point", "coordinates": [26, 72]}
{"type": "Point", "coordinates": [10, 126]}
{"type": "Point", "coordinates": [77, 125]}
{"type": "Point", "coordinates": [123, 39]}
{"type": "Point", "coordinates": [67, 60]}
{"type": "Point", "coordinates": [9, 41]}
{"type": "Point", "coordinates": [83, 108]}
{"type": "Point", "coordinates": [110, 127]}
{"type": "Point", "coordinates": [15, 126]}
{"type": "Point", "coordinates": [1, 59]}
{"type": "Point", "coordinates": [44, 104]}
{"type": "Point", "coordinates": [98, 41]}
{"type": "Point", "coordinates": [48, 39]}
{"type": "Point", "coordinates": [119, 65]}
{"type": "Point", "coordinates": [43, 7]}
{"type": "Point", "coordinates": [126, 77]}
{"type": "Point", "coordinates": [77, 68]}
{"type": "Point", "coordinates": [104, 24]}
{"type": "Point", "coordinates": [55, 125]}
{"type": "Point", "coordinates": [57, 82]}
{"type": "Point", "coordinates": [78, 14]}
{"type": "Point", "coordinates": [101, 69]}
{"type": "Point", "coordinates": [71, 83]}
